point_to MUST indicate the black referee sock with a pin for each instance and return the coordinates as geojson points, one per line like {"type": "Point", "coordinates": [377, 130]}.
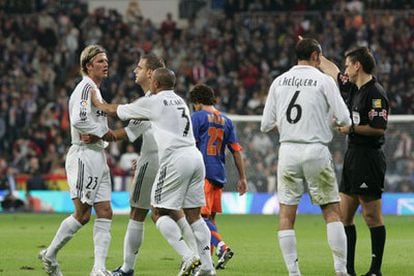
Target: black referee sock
{"type": "Point", "coordinates": [351, 238]}
{"type": "Point", "coordinates": [377, 247]}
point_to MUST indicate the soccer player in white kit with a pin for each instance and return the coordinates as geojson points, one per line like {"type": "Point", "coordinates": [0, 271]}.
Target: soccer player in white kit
{"type": "Point", "coordinates": [145, 173]}
{"type": "Point", "coordinates": [89, 183]}
{"type": "Point", "coordinates": [180, 178]}
{"type": "Point", "coordinates": [302, 104]}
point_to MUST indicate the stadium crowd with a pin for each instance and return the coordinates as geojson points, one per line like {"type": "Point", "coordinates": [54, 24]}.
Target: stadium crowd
{"type": "Point", "coordinates": [238, 51]}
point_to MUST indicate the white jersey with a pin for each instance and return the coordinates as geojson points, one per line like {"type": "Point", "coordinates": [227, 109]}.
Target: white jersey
{"type": "Point", "coordinates": [170, 120]}
{"type": "Point", "coordinates": [302, 104]}
{"type": "Point", "coordinates": [136, 128]}
{"type": "Point", "coordinates": [85, 117]}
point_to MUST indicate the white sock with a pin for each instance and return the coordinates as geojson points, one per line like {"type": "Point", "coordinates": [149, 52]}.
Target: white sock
{"type": "Point", "coordinates": [203, 238]}
{"type": "Point", "coordinates": [171, 232]}
{"type": "Point", "coordinates": [132, 242]}
{"type": "Point", "coordinates": [287, 242]}
{"type": "Point", "coordinates": [337, 243]}
{"type": "Point", "coordinates": [187, 234]}
{"type": "Point", "coordinates": [101, 239]}
{"type": "Point", "coordinates": [67, 229]}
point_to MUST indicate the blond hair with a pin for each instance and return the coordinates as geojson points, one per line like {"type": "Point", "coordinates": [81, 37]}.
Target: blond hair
{"type": "Point", "coordinates": [87, 55]}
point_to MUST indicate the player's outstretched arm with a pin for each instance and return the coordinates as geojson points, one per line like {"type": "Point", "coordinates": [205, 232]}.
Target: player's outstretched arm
{"type": "Point", "coordinates": [110, 109]}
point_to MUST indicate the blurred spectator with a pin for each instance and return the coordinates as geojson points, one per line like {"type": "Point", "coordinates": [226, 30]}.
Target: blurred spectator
{"type": "Point", "coordinates": [128, 158]}
{"type": "Point", "coordinates": [11, 203]}
{"type": "Point", "coordinates": [35, 180]}
{"type": "Point", "coordinates": [133, 13]}
{"type": "Point", "coordinates": [403, 152]}
{"type": "Point", "coordinates": [168, 26]}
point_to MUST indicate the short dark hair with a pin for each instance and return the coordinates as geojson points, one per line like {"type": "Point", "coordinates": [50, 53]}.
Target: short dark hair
{"type": "Point", "coordinates": [202, 94]}
{"type": "Point", "coordinates": [305, 47]}
{"type": "Point", "coordinates": [362, 55]}
{"type": "Point", "coordinates": [165, 77]}
{"type": "Point", "coordinates": [153, 62]}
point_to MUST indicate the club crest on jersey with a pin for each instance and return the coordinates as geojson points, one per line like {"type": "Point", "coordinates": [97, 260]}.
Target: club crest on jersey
{"type": "Point", "coordinates": [376, 103]}
{"type": "Point", "coordinates": [84, 103]}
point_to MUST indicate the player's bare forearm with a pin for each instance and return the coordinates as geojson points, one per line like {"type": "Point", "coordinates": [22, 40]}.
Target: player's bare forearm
{"type": "Point", "coordinates": [242, 186]}
{"type": "Point", "coordinates": [329, 68]}
{"type": "Point", "coordinates": [366, 130]}
{"type": "Point", "coordinates": [110, 136]}
{"type": "Point", "coordinates": [109, 109]}
{"type": "Point", "coordinates": [89, 138]}
{"type": "Point", "coordinates": [119, 134]}
{"type": "Point", "coordinates": [242, 183]}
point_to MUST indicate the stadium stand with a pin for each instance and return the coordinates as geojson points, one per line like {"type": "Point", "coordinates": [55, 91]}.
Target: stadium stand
{"type": "Point", "coordinates": [237, 49]}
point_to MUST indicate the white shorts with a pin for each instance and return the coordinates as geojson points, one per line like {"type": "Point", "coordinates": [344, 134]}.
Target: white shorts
{"type": "Point", "coordinates": [306, 162]}
{"type": "Point", "coordinates": [88, 175]}
{"type": "Point", "coordinates": [147, 168]}
{"type": "Point", "coordinates": [180, 181]}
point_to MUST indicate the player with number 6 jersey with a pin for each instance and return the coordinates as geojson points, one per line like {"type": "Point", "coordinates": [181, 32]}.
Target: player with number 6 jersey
{"type": "Point", "coordinates": [303, 104]}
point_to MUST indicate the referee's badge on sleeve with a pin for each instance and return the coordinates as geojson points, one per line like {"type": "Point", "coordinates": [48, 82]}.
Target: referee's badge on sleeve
{"type": "Point", "coordinates": [376, 103]}
{"type": "Point", "coordinates": [355, 117]}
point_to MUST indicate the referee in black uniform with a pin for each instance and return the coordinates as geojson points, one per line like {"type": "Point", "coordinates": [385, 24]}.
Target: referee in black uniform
{"type": "Point", "coordinates": [364, 165]}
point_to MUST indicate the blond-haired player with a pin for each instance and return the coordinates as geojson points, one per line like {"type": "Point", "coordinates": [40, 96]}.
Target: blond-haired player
{"type": "Point", "coordinates": [90, 184]}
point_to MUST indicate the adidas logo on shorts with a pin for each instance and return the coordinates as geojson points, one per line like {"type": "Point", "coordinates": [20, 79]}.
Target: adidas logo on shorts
{"type": "Point", "coordinates": [364, 185]}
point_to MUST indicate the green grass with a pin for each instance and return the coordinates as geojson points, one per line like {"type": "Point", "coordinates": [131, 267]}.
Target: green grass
{"type": "Point", "coordinates": [253, 238]}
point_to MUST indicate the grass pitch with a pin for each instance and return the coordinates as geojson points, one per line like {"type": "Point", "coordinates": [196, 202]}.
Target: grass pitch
{"type": "Point", "coordinates": [252, 237]}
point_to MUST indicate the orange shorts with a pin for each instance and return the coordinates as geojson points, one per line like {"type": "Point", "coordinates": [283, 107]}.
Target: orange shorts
{"type": "Point", "coordinates": [213, 199]}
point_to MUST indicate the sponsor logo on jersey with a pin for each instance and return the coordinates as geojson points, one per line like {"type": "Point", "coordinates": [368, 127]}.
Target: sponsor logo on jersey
{"type": "Point", "coordinates": [383, 113]}
{"type": "Point", "coordinates": [372, 114]}
{"type": "Point", "coordinates": [100, 113]}
{"type": "Point", "coordinates": [376, 103]}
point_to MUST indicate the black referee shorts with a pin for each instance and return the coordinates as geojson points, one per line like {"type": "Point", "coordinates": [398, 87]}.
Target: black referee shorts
{"type": "Point", "coordinates": [363, 172]}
